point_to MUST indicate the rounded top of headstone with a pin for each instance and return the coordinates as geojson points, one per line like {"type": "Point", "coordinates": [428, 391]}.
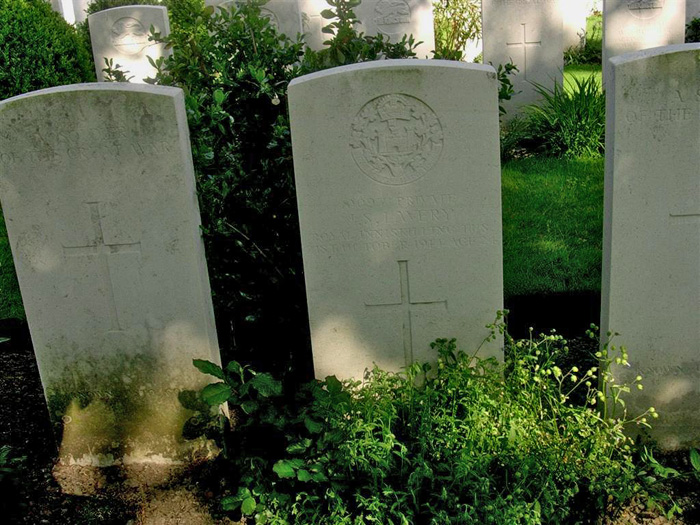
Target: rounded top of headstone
{"type": "Point", "coordinates": [129, 9]}
{"type": "Point", "coordinates": [99, 87]}
{"type": "Point", "coordinates": [398, 64]}
{"type": "Point", "coordinates": [653, 52]}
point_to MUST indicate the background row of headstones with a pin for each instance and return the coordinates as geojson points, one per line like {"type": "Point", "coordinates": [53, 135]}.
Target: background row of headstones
{"type": "Point", "coordinates": [531, 34]}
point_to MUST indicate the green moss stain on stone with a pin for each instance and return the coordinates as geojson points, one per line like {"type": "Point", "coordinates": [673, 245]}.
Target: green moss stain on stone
{"type": "Point", "coordinates": [115, 409]}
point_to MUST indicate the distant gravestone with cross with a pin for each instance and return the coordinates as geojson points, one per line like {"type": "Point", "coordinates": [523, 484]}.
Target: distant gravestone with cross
{"type": "Point", "coordinates": [528, 33]}
{"type": "Point", "coordinates": [651, 260]}
{"type": "Point", "coordinates": [391, 18]}
{"type": "Point", "coordinates": [98, 192]}
{"type": "Point", "coordinates": [122, 35]}
{"type": "Point", "coordinates": [400, 210]}
{"type": "Point", "coordinates": [633, 25]}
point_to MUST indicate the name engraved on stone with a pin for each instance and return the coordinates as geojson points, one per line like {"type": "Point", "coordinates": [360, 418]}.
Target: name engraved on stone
{"type": "Point", "coordinates": [106, 252]}
{"type": "Point", "coordinates": [390, 15]}
{"type": "Point", "coordinates": [396, 139]}
{"type": "Point", "coordinates": [524, 44]}
{"type": "Point", "coordinates": [661, 115]}
{"type": "Point", "coordinates": [129, 36]}
{"type": "Point", "coordinates": [645, 9]}
{"type": "Point", "coordinates": [407, 305]}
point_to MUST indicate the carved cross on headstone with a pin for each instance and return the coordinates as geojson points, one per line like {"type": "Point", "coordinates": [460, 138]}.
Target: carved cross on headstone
{"type": "Point", "coordinates": [107, 252]}
{"type": "Point", "coordinates": [524, 43]}
{"type": "Point", "coordinates": [407, 305]}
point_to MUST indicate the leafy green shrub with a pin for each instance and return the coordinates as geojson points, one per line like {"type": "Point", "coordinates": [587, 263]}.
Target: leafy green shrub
{"type": "Point", "coordinates": [692, 31]}
{"type": "Point", "coordinates": [471, 441]}
{"type": "Point", "coordinates": [38, 49]}
{"type": "Point", "coordinates": [567, 123]}
{"type": "Point", "coordinates": [348, 46]}
{"type": "Point", "coordinates": [456, 22]}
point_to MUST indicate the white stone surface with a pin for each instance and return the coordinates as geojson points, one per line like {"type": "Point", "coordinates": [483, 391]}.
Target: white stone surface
{"type": "Point", "coordinates": [398, 183]}
{"type": "Point", "coordinates": [79, 8]}
{"type": "Point", "coordinates": [285, 15]}
{"type": "Point", "coordinates": [575, 13]}
{"type": "Point", "coordinates": [633, 25]}
{"type": "Point", "coordinates": [529, 33]}
{"type": "Point", "coordinates": [98, 193]}
{"type": "Point", "coordinates": [121, 33]}
{"type": "Point", "coordinates": [391, 18]}
{"type": "Point", "coordinates": [692, 10]}
{"type": "Point", "coordinates": [651, 260]}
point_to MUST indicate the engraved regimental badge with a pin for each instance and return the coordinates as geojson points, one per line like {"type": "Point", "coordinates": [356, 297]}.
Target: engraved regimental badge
{"type": "Point", "coordinates": [391, 15]}
{"type": "Point", "coordinates": [645, 9]}
{"type": "Point", "coordinates": [396, 139]}
{"type": "Point", "coordinates": [129, 36]}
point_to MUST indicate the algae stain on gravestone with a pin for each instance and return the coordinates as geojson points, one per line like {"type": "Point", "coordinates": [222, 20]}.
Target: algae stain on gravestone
{"type": "Point", "coordinates": [98, 192]}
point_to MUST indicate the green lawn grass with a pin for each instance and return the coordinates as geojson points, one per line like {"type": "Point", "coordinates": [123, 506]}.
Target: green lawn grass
{"type": "Point", "coordinates": [552, 225]}
{"type": "Point", "coordinates": [580, 72]}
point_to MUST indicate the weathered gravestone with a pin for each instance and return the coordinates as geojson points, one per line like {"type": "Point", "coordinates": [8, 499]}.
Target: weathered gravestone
{"type": "Point", "coordinates": [651, 263]}
{"type": "Point", "coordinates": [391, 18]}
{"type": "Point", "coordinates": [633, 25]}
{"type": "Point", "coordinates": [97, 188]}
{"type": "Point", "coordinates": [121, 34]}
{"type": "Point", "coordinates": [529, 34]}
{"type": "Point", "coordinates": [692, 10]}
{"type": "Point", "coordinates": [283, 14]}
{"type": "Point", "coordinates": [398, 184]}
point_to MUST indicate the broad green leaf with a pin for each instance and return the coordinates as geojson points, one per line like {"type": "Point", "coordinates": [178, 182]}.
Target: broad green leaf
{"type": "Point", "coordinates": [249, 406]}
{"type": "Point", "coordinates": [230, 503]}
{"type": "Point", "coordinates": [695, 459]}
{"type": "Point", "coordinates": [218, 96]}
{"type": "Point", "coordinates": [334, 385]}
{"type": "Point", "coordinates": [327, 30]}
{"type": "Point", "coordinates": [216, 393]}
{"type": "Point", "coordinates": [312, 426]}
{"type": "Point", "coordinates": [303, 475]}
{"type": "Point", "coordinates": [327, 14]}
{"type": "Point", "coordinates": [234, 367]}
{"type": "Point", "coordinates": [299, 446]}
{"type": "Point", "coordinates": [284, 469]}
{"type": "Point", "coordinates": [207, 367]}
{"type": "Point", "coordinates": [248, 506]}
{"type": "Point", "coordinates": [266, 385]}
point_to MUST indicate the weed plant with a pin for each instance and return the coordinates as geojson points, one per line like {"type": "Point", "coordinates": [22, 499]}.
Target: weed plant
{"type": "Point", "coordinates": [456, 23]}
{"type": "Point", "coordinates": [568, 123]}
{"type": "Point", "coordinates": [590, 48]}
{"type": "Point", "coordinates": [467, 441]}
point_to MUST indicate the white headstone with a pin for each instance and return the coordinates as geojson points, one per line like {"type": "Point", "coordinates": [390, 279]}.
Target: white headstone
{"type": "Point", "coordinates": [633, 25]}
{"type": "Point", "coordinates": [529, 34]}
{"type": "Point", "coordinates": [398, 184]}
{"type": "Point", "coordinates": [283, 14]}
{"type": "Point", "coordinates": [575, 13]}
{"type": "Point", "coordinates": [79, 10]}
{"type": "Point", "coordinates": [692, 10]}
{"type": "Point", "coordinates": [651, 260]}
{"type": "Point", "coordinates": [391, 18]}
{"type": "Point", "coordinates": [121, 34]}
{"type": "Point", "coordinates": [98, 192]}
